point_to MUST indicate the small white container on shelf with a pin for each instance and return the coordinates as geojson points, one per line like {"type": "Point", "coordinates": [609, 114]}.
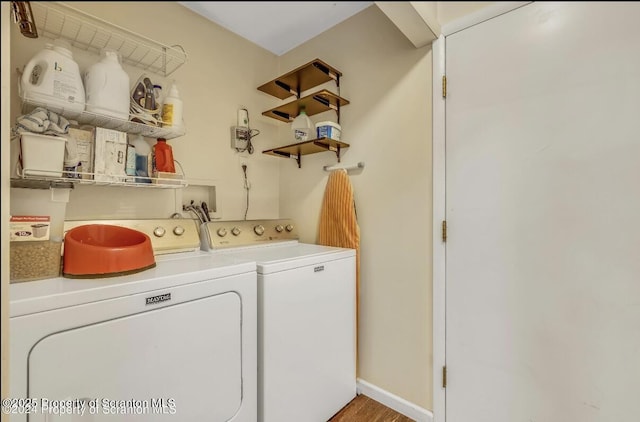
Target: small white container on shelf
{"type": "Point", "coordinates": [42, 155]}
{"type": "Point", "coordinates": [172, 108]}
{"type": "Point", "coordinates": [329, 130]}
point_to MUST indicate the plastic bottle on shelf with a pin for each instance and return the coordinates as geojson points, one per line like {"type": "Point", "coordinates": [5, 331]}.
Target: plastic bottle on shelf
{"type": "Point", "coordinates": [163, 158]}
{"type": "Point", "coordinates": [172, 108]}
{"type": "Point", "coordinates": [302, 126]}
{"type": "Point", "coordinates": [52, 77]}
{"type": "Point", "coordinates": [143, 154]}
{"type": "Point", "coordinates": [107, 87]}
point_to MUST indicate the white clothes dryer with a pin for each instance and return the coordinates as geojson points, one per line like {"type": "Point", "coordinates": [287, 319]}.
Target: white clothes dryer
{"type": "Point", "coordinates": [174, 342]}
{"type": "Point", "coordinates": [306, 317]}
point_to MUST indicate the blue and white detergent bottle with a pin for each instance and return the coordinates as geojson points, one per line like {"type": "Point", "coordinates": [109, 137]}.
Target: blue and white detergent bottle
{"type": "Point", "coordinates": [143, 158]}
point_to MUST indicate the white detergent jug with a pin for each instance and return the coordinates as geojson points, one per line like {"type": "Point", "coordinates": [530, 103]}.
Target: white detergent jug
{"type": "Point", "coordinates": [107, 86]}
{"type": "Point", "coordinates": [52, 78]}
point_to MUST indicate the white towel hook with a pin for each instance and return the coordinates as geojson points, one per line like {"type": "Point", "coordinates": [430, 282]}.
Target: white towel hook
{"type": "Point", "coordinates": [359, 165]}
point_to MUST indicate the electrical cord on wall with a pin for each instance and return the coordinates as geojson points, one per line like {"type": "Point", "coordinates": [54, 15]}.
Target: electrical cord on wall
{"type": "Point", "coordinates": [252, 133]}
{"type": "Point", "coordinates": [181, 168]}
{"type": "Point", "coordinates": [247, 186]}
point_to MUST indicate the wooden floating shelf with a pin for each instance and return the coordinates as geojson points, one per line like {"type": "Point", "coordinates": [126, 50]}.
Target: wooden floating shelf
{"type": "Point", "coordinates": [312, 146]}
{"type": "Point", "coordinates": [315, 103]}
{"type": "Point", "coordinates": [305, 77]}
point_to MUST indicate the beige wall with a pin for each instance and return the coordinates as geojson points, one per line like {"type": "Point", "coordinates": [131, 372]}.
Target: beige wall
{"type": "Point", "coordinates": [388, 126]}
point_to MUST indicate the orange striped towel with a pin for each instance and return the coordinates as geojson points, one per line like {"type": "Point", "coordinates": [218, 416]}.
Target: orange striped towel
{"type": "Point", "coordinates": [338, 222]}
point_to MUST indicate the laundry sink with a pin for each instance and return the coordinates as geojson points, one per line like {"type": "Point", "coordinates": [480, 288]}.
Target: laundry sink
{"type": "Point", "coordinates": [103, 250]}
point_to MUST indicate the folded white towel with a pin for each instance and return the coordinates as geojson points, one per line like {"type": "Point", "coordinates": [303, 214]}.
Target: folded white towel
{"type": "Point", "coordinates": [41, 120]}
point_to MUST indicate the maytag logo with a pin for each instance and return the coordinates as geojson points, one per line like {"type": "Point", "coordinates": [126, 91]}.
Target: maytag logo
{"type": "Point", "coordinates": [157, 299]}
{"type": "Point", "coordinates": [318, 268]}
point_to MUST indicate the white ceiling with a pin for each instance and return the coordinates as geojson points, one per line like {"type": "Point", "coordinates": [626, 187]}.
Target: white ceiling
{"type": "Point", "coordinates": [277, 26]}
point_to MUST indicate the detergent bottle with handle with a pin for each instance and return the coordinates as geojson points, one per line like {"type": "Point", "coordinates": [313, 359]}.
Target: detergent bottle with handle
{"type": "Point", "coordinates": [162, 158]}
{"type": "Point", "coordinates": [52, 78]}
{"type": "Point", "coordinates": [107, 87]}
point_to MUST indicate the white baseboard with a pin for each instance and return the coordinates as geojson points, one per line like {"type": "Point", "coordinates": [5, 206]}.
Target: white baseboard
{"type": "Point", "coordinates": [394, 402]}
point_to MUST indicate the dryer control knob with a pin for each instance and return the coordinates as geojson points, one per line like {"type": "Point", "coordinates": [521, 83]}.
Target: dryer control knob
{"type": "Point", "coordinates": [178, 230]}
{"type": "Point", "coordinates": [259, 230]}
{"type": "Point", "coordinates": [159, 232]}
{"type": "Point", "coordinates": [222, 232]}
{"type": "Point", "coordinates": [289, 228]}
{"type": "Point", "coordinates": [279, 228]}
{"type": "Point", "coordinates": [235, 231]}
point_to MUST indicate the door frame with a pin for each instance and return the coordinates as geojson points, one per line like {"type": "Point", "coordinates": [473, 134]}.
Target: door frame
{"type": "Point", "coordinates": [439, 193]}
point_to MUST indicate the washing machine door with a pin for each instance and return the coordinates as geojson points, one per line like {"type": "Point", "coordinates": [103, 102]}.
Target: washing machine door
{"type": "Point", "coordinates": [180, 362]}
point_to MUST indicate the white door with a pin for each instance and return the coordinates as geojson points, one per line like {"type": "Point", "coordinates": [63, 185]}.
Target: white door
{"type": "Point", "coordinates": [543, 211]}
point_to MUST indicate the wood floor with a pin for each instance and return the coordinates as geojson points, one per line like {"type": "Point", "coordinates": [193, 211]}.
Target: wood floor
{"type": "Point", "coordinates": [365, 409]}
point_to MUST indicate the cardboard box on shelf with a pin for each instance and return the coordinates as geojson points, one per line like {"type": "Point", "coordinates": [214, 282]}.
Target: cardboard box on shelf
{"type": "Point", "coordinates": [84, 141]}
{"type": "Point", "coordinates": [110, 154]}
{"type": "Point", "coordinates": [165, 178]}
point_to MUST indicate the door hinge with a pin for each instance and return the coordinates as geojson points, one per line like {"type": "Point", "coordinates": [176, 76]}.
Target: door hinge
{"type": "Point", "coordinates": [444, 231]}
{"type": "Point", "coordinates": [444, 86]}
{"type": "Point", "coordinates": [444, 377]}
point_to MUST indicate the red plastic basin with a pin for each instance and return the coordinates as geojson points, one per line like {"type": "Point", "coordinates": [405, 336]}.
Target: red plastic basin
{"type": "Point", "coordinates": [103, 250]}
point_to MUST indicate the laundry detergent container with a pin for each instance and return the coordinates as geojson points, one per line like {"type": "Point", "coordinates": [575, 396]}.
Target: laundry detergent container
{"type": "Point", "coordinates": [52, 79]}
{"type": "Point", "coordinates": [103, 250]}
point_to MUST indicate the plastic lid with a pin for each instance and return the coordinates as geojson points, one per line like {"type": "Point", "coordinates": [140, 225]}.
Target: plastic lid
{"type": "Point", "coordinates": [111, 55]}
{"type": "Point", "coordinates": [173, 92]}
{"type": "Point", "coordinates": [328, 123]}
{"type": "Point", "coordinates": [62, 46]}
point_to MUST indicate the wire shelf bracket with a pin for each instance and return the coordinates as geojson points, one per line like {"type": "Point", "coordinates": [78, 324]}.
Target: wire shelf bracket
{"type": "Point", "coordinates": [90, 33]}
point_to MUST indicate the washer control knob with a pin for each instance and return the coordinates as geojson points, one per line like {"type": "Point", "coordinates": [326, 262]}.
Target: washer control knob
{"type": "Point", "coordinates": [235, 231]}
{"type": "Point", "coordinates": [279, 228]}
{"type": "Point", "coordinates": [289, 227]}
{"type": "Point", "coordinates": [222, 232]}
{"type": "Point", "coordinates": [178, 230]}
{"type": "Point", "coordinates": [259, 230]}
{"type": "Point", "coordinates": [159, 231]}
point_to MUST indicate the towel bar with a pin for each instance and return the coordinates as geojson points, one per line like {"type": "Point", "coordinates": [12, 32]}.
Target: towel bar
{"type": "Point", "coordinates": [360, 165]}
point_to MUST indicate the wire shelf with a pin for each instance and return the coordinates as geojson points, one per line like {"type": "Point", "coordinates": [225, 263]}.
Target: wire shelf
{"type": "Point", "coordinates": [87, 32]}
{"type": "Point", "coordinates": [100, 120]}
{"type": "Point", "coordinates": [38, 179]}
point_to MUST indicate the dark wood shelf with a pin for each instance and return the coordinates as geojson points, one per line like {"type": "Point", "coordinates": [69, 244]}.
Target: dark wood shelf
{"type": "Point", "coordinates": [315, 103]}
{"type": "Point", "coordinates": [312, 146]}
{"type": "Point", "coordinates": [307, 76]}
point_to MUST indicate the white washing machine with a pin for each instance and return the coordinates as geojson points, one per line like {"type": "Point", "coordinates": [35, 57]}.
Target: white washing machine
{"type": "Point", "coordinates": [174, 342]}
{"type": "Point", "coordinates": [306, 318]}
